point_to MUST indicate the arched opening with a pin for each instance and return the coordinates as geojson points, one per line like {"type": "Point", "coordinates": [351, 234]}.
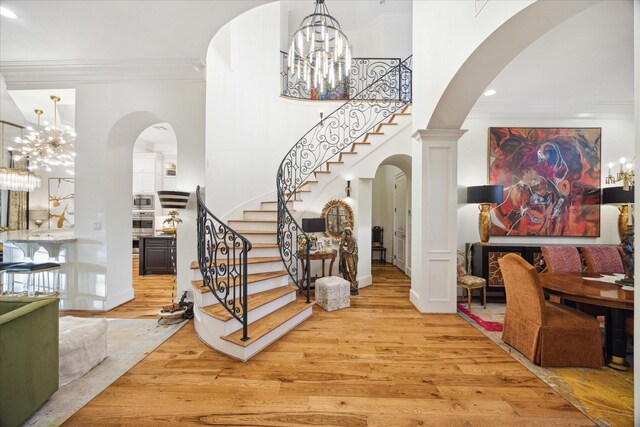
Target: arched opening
{"type": "Point", "coordinates": [120, 145]}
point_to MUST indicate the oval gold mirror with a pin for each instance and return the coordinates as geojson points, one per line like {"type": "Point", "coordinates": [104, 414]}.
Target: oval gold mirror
{"type": "Point", "coordinates": [337, 215]}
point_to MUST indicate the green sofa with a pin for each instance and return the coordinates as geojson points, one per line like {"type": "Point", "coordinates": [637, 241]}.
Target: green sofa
{"type": "Point", "coordinates": [28, 356]}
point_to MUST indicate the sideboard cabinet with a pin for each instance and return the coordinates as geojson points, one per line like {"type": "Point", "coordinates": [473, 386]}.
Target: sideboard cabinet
{"type": "Point", "coordinates": [484, 260]}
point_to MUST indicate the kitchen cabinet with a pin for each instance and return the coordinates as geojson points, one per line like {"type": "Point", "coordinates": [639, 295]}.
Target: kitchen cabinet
{"type": "Point", "coordinates": [147, 172]}
{"type": "Point", "coordinates": [157, 255]}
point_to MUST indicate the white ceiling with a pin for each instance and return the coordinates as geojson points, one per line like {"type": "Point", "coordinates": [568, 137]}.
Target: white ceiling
{"type": "Point", "coordinates": [584, 66]}
{"type": "Point", "coordinates": [159, 138]}
{"type": "Point", "coordinates": [581, 69]}
{"type": "Point", "coordinates": [111, 29]}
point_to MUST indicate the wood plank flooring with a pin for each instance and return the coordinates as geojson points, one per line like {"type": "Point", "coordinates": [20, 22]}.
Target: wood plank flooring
{"type": "Point", "coordinates": [378, 363]}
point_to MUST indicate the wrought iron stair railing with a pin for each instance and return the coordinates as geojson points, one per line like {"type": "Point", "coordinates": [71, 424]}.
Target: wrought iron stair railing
{"type": "Point", "coordinates": [222, 260]}
{"type": "Point", "coordinates": [386, 95]}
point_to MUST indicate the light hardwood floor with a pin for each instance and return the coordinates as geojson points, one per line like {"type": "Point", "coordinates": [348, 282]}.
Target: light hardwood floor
{"type": "Point", "coordinates": [378, 363]}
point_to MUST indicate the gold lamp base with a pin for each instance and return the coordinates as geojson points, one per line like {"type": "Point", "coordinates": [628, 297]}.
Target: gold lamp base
{"type": "Point", "coordinates": [483, 223]}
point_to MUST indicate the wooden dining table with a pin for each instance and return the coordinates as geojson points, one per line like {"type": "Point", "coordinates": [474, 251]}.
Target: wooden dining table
{"type": "Point", "coordinates": [582, 288]}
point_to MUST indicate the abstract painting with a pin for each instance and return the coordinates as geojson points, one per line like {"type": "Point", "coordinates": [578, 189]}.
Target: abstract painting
{"type": "Point", "coordinates": [551, 179]}
{"type": "Point", "coordinates": [61, 202]}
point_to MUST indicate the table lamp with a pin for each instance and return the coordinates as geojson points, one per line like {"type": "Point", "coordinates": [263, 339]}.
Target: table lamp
{"type": "Point", "coordinates": [621, 197]}
{"type": "Point", "coordinates": [484, 195]}
{"type": "Point", "coordinates": [173, 200]}
{"type": "Point", "coordinates": [313, 225]}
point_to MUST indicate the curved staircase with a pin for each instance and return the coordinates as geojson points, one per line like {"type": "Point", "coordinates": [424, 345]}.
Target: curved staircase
{"type": "Point", "coordinates": [246, 280]}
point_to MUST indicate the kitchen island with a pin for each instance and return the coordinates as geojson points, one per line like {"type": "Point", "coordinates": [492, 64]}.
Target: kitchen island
{"type": "Point", "coordinates": [157, 254]}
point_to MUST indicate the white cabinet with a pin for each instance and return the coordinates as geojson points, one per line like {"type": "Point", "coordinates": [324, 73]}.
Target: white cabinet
{"type": "Point", "coordinates": [147, 173]}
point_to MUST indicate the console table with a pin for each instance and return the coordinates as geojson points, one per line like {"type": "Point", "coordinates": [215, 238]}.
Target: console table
{"type": "Point", "coordinates": [313, 256]}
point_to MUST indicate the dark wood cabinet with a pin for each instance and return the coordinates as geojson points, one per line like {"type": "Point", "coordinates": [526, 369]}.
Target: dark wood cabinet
{"type": "Point", "coordinates": [157, 255]}
{"type": "Point", "coordinates": [484, 260]}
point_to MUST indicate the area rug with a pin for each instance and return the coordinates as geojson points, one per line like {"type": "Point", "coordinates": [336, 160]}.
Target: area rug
{"type": "Point", "coordinates": [129, 341]}
{"type": "Point", "coordinates": [604, 395]}
{"type": "Point", "coordinates": [486, 324]}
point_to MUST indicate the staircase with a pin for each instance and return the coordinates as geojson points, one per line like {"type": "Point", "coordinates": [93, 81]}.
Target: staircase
{"type": "Point", "coordinates": [246, 280]}
{"type": "Point", "coordinates": [271, 304]}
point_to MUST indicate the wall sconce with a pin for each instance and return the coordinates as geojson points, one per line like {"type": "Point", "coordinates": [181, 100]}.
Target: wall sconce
{"type": "Point", "coordinates": [626, 175]}
{"type": "Point", "coordinates": [348, 189]}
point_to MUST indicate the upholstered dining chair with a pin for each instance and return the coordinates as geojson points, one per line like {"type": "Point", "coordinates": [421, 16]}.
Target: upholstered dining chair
{"type": "Point", "coordinates": [547, 333]}
{"type": "Point", "coordinates": [603, 259]}
{"type": "Point", "coordinates": [562, 259]}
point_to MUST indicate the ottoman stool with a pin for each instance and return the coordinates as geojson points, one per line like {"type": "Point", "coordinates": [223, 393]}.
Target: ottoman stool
{"type": "Point", "coordinates": [82, 345]}
{"type": "Point", "coordinates": [332, 293]}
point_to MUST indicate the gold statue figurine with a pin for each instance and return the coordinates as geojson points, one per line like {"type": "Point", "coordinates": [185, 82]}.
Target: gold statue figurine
{"type": "Point", "coordinates": [348, 265]}
{"type": "Point", "coordinates": [172, 222]}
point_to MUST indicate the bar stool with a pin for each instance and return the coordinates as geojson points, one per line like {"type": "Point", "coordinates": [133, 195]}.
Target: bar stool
{"type": "Point", "coordinates": [35, 270]}
{"type": "Point", "coordinates": [3, 268]}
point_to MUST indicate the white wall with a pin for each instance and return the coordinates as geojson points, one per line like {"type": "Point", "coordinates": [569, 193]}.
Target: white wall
{"type": "Point", "coordinates": [249, 127]}
{"type": "Point", "coordinates": [109, 119]}
{"type": "Point", "coordinates": [617, 137]}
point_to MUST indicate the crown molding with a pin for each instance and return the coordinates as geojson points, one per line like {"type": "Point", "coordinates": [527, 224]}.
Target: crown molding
{"type": "Point", "coordinates": [29, 73]}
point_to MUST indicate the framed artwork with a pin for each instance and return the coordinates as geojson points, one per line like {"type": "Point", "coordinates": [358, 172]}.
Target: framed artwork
{"type": "Point", "coordinates": [551, 179]}
{"type": "Point", "coordinates": [61, 203]}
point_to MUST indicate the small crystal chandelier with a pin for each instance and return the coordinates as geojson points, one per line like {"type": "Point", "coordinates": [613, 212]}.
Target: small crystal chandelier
{"type": "Point", "coordinates": [48, 147]}
{"type": "Point", "coordinates": [319, 51]}
{"type": "Point", "coordinates": [14, 179]}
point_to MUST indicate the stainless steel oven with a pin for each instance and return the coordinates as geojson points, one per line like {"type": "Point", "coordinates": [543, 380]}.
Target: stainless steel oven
{"type": "Point", "coordinates": [144, 202]}
{"type": "Point", "coordinates": [143, 223]}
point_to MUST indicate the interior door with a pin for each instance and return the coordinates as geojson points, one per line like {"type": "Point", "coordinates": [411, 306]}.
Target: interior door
{"type": "Point", "coordinates": [400, 221]}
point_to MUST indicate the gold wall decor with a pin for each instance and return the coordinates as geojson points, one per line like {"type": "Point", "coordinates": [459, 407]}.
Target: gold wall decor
{"type": "Point", "coordinates": [338, 215]}
{"type": "Point", "coordinates": [61, 203]}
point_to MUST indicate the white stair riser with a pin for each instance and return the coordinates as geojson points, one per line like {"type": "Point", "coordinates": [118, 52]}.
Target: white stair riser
{"type": "Point", "coordinates": [264, 215]}
{"type": "Point", "coordinates": [261, 226]}
{"type": "Point", "coordinates": [230, 326]}
{"type": "Point", "coordinates": [261, 238]}
{"type": "Point", "coordinates": [210, 332]}
{"type": "Point", "coordinates": [262, 267]}
{"type": "Point", "coordinates": [273, 205]}
{"type": "Point", "coordinates": [207, 298]}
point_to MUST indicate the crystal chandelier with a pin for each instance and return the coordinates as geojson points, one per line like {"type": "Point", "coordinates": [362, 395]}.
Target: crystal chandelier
{"type": "Point", "coordinates": [11, 178]}
{"type": "Point", "coordinates": [319, 51]}
{"type": "Point", "coordinates": [48, 147]}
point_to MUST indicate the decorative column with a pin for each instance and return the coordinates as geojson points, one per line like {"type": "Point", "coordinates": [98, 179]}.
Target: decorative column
{"type": "Point", "coordinates": [434, 201]}
{"type": "Point", "coordinates": [364, 196]}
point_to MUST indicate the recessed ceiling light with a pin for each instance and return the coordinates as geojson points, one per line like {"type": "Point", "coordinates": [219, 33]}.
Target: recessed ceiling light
{"type": "Point", "coordinates": [7, 13]}
{"type": "Point", "coordinates": [490, 92]}
{"type": "Point", "coordinates": [583, 115]}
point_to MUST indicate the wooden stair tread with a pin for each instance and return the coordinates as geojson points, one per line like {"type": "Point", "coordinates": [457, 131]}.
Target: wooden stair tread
{"type": "Point", "coordinates": [260, 210]}
{"type": "Point", "coordinates": [263, 326]}
{"type": "Point", "coordinates": [321, 171]}
{"type": "Point", "coordinates": [388, 124]}
{"type": "Point", "coordinates": [256, 260]}
{"type": "Point", "coordinates": [251, 278]}
{"type": "Point", "coordinates": [374, 133]}
{"type": "Point", "coordinates": [254, 301]}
